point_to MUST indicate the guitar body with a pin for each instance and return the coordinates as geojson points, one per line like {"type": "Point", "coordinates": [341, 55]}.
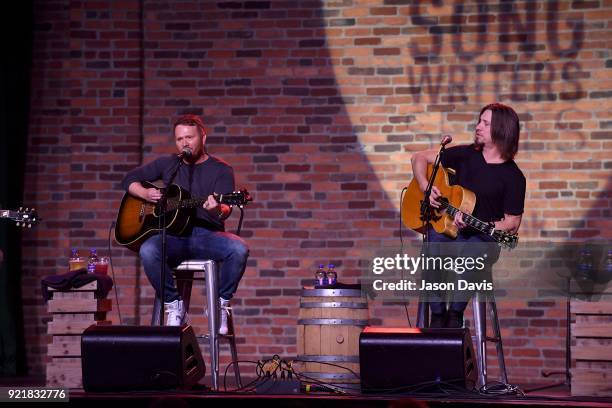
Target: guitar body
{"type": "Point", "coordinates": [459, 197]}
{"type": "Point", "coordinates": [139, 219]}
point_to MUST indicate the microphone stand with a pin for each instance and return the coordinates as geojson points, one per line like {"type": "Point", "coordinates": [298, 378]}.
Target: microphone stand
{"type": "Point", "coordinates": [162, 226]}
{"type": "Point", "coordinates": [423, 308]}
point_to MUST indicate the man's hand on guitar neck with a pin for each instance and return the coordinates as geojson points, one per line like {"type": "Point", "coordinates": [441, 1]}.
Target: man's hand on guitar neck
{"type": "Point", "coordinates": [458, 221]}
{"type": "Point", "coordinates": [211, 204]}
{"type": "Point", "coordinates": [214, 208]}
{"type": "Point", "coordinates": [510, 223]}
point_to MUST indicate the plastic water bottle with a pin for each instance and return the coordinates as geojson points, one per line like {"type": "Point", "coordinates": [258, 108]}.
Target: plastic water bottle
{"type": "Point", "coordinates": [332, 276]}
{"type": "Point", "coordinates": [608, 264]}
{"type": "Point", "coordinates": [92, 261]}
{"type": "Point", "coordinates": [585, 265]}
{"type": "Point", "coordinates": [320, 276]}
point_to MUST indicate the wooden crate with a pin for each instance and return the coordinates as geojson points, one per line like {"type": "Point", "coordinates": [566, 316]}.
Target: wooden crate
{"type": "Point", "coordinates": [72, 312]}
{"type": "Point", "coordinates": [592, 346]}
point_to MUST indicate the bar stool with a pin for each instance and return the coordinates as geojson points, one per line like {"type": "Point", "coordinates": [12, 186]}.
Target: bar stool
{"type": "Point", "coordinates": [184, 275]}
{"type": "Point", "coordinates": [479, 305]}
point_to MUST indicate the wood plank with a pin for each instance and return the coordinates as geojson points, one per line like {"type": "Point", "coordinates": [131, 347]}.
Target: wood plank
{"type": "Point", "coordinates": [328, 339]}
{"type": "Point", "coordinates": [74, 295]}
{"type": "Point", "coordinates": [65, 346]}
{"type": "Point", "coordinates": [79, 305]}
{"type": "Point", "coordinates": [80, 317]}
{"type": "Point", "coordinates": [300, 339]}
{"type": "Point", "coordinates": [591, 330]}
{"type": "Point", "coordinates": [312, 345]}
{"type": "Point", "coordinates": [87, 287]}
{"type": "Point", "coordinates": [591, 383]}
{"type": "Point", "coordinates": [602, 366]}
{"type": "Point", "coordinates": [72, 327]}
{"type": "Point", "coordinates": [591, 288]}
{"type": "Point", "coordinates": [586, 342]}
{"type": "Point", "coordinates": [65, 372]}
{"type": "Point", "coordinates": [594, 319]}
{"type": "Point", "coordinates": [582, 307]}
{"type": "Point", "coordinates": [598, 353]}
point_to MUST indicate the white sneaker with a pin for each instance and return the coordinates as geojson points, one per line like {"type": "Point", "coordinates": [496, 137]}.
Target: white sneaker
{"type": "Point", "coordinates": [224, 310]}
{"type": "Point", "coordinates": [175, 313]}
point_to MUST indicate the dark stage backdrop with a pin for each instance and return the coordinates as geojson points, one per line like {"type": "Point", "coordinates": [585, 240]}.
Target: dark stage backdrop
{"type": "Point", "coordinates": [15, 63]}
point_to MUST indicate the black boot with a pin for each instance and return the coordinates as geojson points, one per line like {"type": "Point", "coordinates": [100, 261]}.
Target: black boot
{"type": "Point", "coordinates": [454, 319]}
{"type": "Point", "coordinates": [437, 320]}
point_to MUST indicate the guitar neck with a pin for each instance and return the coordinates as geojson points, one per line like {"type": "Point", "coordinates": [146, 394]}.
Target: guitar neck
{"type": "Point", "coordinates": [193, 202]}
{"type": "Point", "coordinates": [187, 203]}
{"type": "Point", "coordinates": [471, 220]}
{"type": "Point", "coordinates": [9, 214]}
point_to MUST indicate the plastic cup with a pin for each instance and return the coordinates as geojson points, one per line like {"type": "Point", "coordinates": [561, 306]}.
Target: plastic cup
{"type": "Point", "coordinates": [102, 266]}
{"type": "Point", "coordinates": [77, 264]}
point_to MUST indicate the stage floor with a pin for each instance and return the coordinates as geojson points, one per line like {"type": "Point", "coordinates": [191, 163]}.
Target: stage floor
{"type": "Point", "coordinates": [321, 400]}
{"type": "Point", "coordinates": [202, 396]}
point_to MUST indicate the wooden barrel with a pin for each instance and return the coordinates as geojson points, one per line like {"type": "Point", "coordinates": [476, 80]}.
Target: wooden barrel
{"type": "Point", "coordinates": [329, 325]}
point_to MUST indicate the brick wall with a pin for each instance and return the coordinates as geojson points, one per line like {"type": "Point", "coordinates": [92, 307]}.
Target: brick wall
{"type": "Point", "coordinates": [319, 107]}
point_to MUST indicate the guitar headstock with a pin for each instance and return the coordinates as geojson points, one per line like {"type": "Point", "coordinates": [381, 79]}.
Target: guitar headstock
{"type": "Point", "coordinates": [24, 217]}
{"type": "Point", "coordinates": [505, 239]}
{"type": "Point", "coordinates": [242, 197]}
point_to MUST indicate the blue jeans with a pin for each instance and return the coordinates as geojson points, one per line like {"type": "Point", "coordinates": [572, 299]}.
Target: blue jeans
{"type": "Point", "coordinates": [467, 244]}
{"type": "Point", "coordinates": [227, 248]}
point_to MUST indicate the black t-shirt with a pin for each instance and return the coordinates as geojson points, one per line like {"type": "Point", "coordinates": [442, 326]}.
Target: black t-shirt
{"type": "Point", "coordinates": [499, 188]}
{"type": "Point", "coordinates": [201, 180]}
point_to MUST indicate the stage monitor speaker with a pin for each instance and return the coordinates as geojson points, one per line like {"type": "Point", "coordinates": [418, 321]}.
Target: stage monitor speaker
{"type": "Point", "coordinates": [124, 358]}
{"type": "Point", "coordinates": [401, 360]}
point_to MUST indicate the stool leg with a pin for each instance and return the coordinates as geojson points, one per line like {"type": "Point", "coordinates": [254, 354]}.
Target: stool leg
{"type": "Point", "coordinates": [155, 318]}
{"type": "Point", "coordinates": [480, 328]}
{"type": "Point", "coordinates": [423, 313]}
{"type": "Point", "coordinates": [212, 298]}
{"type": "Point", "coordinates": [499, 345]}
{"type": "Point", "coordinates": [232, 342]}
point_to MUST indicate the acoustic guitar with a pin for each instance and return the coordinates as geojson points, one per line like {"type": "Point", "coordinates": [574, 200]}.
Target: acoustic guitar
{"type": "Point", "coordinates": [23, 217]}
{"type": "Point", "coordinates": [454, 199]}
{"type": "Point", "coordinates": [138, 219]}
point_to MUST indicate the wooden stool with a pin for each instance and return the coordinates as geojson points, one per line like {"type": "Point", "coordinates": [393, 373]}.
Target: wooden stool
{"type": "Point", "coordinates": [184, 276]}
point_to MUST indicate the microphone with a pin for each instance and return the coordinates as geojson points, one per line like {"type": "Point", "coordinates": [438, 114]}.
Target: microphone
{"type": "Point", "coordinates": [446, 140]}
{"type": "Point", "coordinates": [185, 154]}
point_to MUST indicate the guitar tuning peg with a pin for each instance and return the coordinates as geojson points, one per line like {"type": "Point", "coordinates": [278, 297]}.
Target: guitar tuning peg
{"type": "Point", "coordinates": [29, 225]}
{"type": "Point", "coordinates": [17, 223]}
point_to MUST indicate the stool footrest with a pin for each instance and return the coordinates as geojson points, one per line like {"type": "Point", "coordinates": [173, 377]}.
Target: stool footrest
{"type": "Point", "coordinates": [224, 336]}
